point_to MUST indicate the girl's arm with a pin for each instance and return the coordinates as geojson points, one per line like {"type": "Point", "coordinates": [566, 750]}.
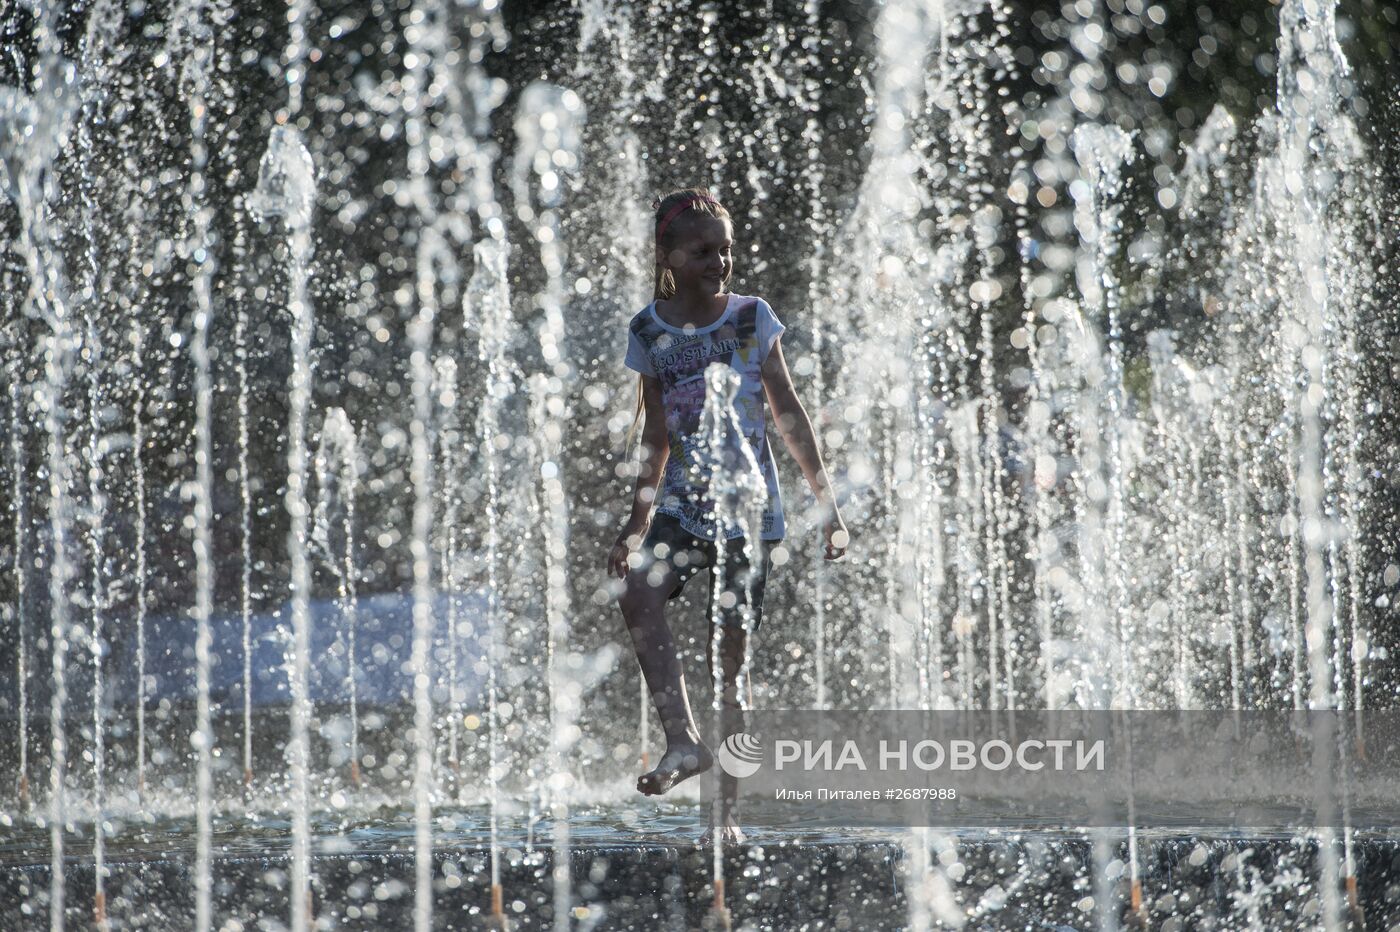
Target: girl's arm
{"type": "Point", "coordinates": [795, 427]}
{"type": "Point", "coordinates": [655, 449]}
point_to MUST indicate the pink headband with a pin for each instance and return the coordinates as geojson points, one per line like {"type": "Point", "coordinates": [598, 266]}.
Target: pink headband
{"type": "Point", "coordinates": [676, 211]}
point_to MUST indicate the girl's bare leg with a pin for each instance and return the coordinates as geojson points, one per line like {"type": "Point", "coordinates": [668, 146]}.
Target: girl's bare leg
{"type": "Point", "coordinates": [643, 608]}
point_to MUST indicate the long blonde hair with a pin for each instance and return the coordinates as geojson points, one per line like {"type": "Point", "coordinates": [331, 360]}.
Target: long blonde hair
{"type": "Point", "coordinates": [701, 202]}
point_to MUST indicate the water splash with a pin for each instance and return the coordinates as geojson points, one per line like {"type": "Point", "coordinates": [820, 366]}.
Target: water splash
{"type": "Point", "coordinates": [728, 465]}
{"type": "Point", "coordinates": [1088, 435]}
{"type": "Point", "coordinates": [35, 128]}
{"type": "Point", "coordinates": [286, 189]}
{"type": "Point", "coordinates": [138, 458]}
{"type": "Point", "coordinates": [337, 464]}
{"type": "Point", "coordinates": [18, 463]}
{"type": "Point", "coordinates": [449, 440]}
{"type": "Point", "coordinates": [564, 673]}
{"type": "Point", "coordinates": [190, 20]}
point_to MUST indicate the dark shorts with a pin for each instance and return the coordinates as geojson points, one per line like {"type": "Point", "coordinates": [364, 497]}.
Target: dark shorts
{"type": "Point", "coordinates": [670, 544]}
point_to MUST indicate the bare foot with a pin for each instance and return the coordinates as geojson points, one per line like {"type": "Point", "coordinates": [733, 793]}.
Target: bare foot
{"type": "Point", "coordinates": [680, 762]}
{"type": "Point", "coordinates": [729, 833]}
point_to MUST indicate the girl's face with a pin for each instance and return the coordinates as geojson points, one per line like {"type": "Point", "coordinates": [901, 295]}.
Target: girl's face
{"type": "Point", "coordinates": [700, 257]}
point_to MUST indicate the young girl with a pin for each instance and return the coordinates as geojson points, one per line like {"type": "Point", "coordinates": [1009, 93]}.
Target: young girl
{"type": "Point", "coordinates": [694, 323]}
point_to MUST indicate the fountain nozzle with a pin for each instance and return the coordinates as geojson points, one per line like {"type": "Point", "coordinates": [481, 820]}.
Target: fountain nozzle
{"type": "Point", "coordinates": [1356, 916]}
{"type": "Point", "coordinates": [719, 917]}
{"type": "Point", "coordinates": [497, 921]}
{"type": "Point", "coordinates": [1137, 913]}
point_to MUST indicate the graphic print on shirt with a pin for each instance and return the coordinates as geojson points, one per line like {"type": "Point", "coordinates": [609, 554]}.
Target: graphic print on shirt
{"type": "Point", "coordinates": [679, 360]}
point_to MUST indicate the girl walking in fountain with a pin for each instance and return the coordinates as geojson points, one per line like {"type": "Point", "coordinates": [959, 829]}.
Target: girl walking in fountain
{"type": "Point", "coordinates": [693, 323]}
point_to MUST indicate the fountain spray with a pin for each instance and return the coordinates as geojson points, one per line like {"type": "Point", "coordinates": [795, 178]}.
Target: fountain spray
{"type": "Point", "coordinates": [245, 493]}
{"type": "Point", "coordinates": [99, 27]}
{"type": "Point", "coordinates": [547, 407]}
{"type": "Point", "coordinates": [35, 134]}
{"type": "Point", "coordinates": [549, 131]}
{"type": "Point", "coordinates": [191, 22]}
{"type": "Point", "coordinates": [425, 36]}
{"type": "Point", "coordinates": [138, 458]}
{"type": "Point", "coordinates": [1102, 152]}
{"type": "Point", "coordinates": [286, 188]}
{"type": "Point", "coordinates": [449, 437]}
{"type": "Point", "coordinates": [420, 330]}
{"type": "Point", "coordinates": [96, 540]}
{"type": "Point", "coordinates": [245, 524]}
{"type": "Point", "coordinates": [736, 486]}
{"type": "Point", "coordinates": [1311, 69]}
{"type": "Point", "coordinates": [548, 127]}
{"type": "Point", "coordinates": [18, 462]}
{"type": "Point", "coordinates": [337, 468]}
{"type": "Point", "coordinates": [489, 293]}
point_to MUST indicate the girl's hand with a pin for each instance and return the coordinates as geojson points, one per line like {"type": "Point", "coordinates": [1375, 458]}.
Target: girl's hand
{"type": "Point", "coordinates": [837, 539]}
{"type": "Point", "coordinates": [629, 540]}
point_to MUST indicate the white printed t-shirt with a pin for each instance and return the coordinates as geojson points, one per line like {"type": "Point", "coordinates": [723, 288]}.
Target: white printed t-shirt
{"type": "Point", "coordinates": [741, 338]}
